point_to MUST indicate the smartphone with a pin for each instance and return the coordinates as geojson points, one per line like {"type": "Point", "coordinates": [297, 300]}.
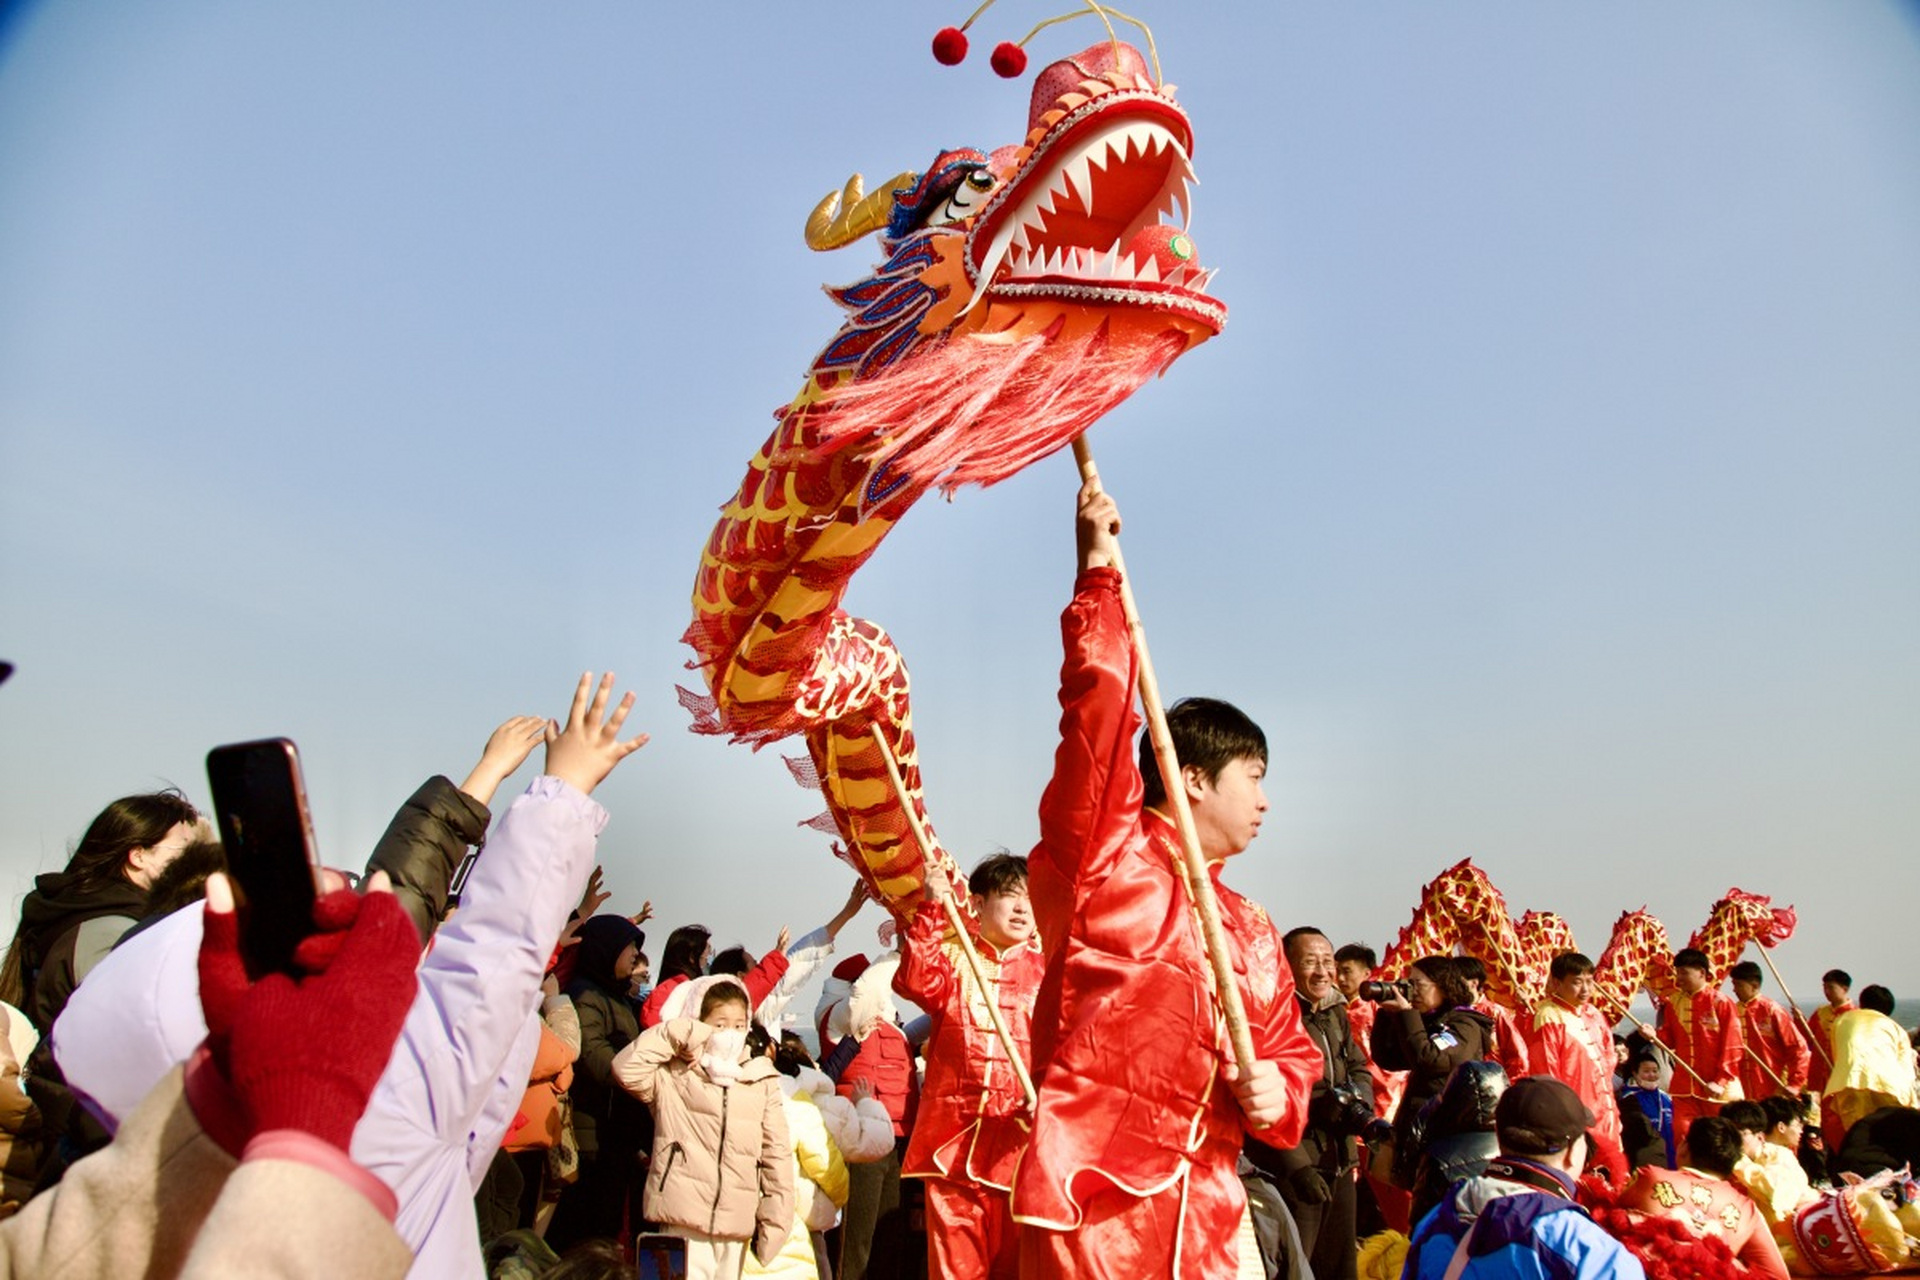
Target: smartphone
{"type": "Point", "coordinates": [261, 804]}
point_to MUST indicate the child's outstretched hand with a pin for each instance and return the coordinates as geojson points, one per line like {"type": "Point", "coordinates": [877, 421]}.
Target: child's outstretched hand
{"type": "Point", "coordinates": [588, 748]}
{"type": "Point", "coordinates": [507, 749]}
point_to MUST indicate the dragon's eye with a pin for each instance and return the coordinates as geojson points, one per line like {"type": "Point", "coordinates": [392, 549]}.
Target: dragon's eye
{"type": "Point", "coordinates": [965, 200]}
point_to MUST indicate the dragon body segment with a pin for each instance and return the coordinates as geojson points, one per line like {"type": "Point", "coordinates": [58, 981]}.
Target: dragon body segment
{"type": "Point", "coordinates": [1460, 908]}
{"type": "Point", "coordinates": [1022, 294]}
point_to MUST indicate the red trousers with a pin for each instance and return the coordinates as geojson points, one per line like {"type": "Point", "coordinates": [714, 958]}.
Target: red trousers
{"type": "Point", "coordinates": [970, 1232]}
{"type": "Point", "coordinates": [1127, 1237]}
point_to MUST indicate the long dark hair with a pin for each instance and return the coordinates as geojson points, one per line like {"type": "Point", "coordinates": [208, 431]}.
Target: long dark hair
{"type": "Point", "coordinates": [686, 948]}
{"type": "Point", "coordinates": [100, 859]}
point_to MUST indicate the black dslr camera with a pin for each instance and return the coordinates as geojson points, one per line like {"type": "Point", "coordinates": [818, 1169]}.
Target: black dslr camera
{"type": "Point", "coordinates": [1378, 991]}
{"type": "Point", "coordinates": [1346, 1109]}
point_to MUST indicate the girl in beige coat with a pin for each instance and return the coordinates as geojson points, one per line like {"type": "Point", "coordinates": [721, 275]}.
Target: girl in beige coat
{"type": "Point", "coordinates": [722, 1174]}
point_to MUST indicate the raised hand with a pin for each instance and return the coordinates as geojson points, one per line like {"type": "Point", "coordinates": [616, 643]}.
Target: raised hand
{"type": "Point", "coordinates": [587, 749]}
{"type": "Point", "coordinates": [1096, 527]}
{"type": "Point", "coordinates": [595, 896]}
{"type": "Point", "coordinates": [786, 936]}
{"type": "Point", "coordinates": [644, 914]}
{"type": "Point", "coordinates": [507, 749]}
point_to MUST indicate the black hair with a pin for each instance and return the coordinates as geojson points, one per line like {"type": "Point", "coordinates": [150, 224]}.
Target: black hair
{"type": "Point", "coordinates": [1781, 1110]}
{"type": "Point", "coordinates": [1470, 969]}
{"type": "Point", "coordinates": [1297, 933]}
{"type": "Point", "coordinates": [791, 1054]}
{"type": "Point", "coordinates": [1208, 735]}
{"type": "Point", "coordinates": [1359, 953]}
{"type": "Point", "coordinates": [1877, 998]}
{"type": "Point", "coordinates": [1713, 1145]}
{"type": "Point", "coordinates": [1569, 964]}
{"type": "Point", "coordinates": [734, 960]}
{"type": "Point", "coordinates": [1746, 1115]}
{"type": "Point", "coordinates": [758, 1040]}
{"type": "Point", "coordinates": [723, 993]}
{"type": "Point", "coordinates": [1745, 971]}
{"type": "Point", "coordinates": [1693, 958]}
{"type": "Point", "coordinates": [685, 952]}
{"type": "Point", "coordinates": [184, 880]}
{"type": "Point", "coordinates": [1839, 977]}
{"type": "Point", "coordinates": [998, 873]}
{"type": "Point", "coordinates": [1444, 973]}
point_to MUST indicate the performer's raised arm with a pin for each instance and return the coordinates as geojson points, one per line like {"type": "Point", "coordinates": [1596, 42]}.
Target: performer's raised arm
{"type": "Point", "coordinates": [1093, 801]}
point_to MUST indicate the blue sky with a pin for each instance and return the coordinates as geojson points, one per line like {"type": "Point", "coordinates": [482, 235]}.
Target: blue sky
{"type": "Point", "coordinates": [369, 370]}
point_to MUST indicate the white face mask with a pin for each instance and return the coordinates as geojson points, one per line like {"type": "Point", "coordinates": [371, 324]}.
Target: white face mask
{"type": "Point", "coordinates": [721, 1061]}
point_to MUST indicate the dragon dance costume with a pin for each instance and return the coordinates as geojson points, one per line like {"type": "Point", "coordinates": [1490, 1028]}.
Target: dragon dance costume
{"type": "Point", "coordinates": [972, 1123]}
{"type": "Point", "coordinates": [1768, 1030]}
{"type": "Point", "coordinates": [1575, 1047]}
{"type": "Point", "coordinates": [1130, 1171]}
{"type": "Point", "coordinates": [1703, 1030]}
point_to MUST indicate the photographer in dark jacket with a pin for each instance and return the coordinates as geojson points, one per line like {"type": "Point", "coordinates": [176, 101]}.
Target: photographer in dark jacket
{"type": "Point", "coordinates": [1426, 1030]}
{"type": "Point", "coordinates": [1317, 1179]}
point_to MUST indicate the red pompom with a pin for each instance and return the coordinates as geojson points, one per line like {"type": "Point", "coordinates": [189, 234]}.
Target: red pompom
{"type": "Point", "coordinates": [1009, 59]}
{"type": "Point", "coordinates": [950, 46]}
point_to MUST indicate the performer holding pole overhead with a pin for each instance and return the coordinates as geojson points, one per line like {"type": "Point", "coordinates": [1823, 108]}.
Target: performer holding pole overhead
{"type": "Point", "coordinates": [1130, 1171]}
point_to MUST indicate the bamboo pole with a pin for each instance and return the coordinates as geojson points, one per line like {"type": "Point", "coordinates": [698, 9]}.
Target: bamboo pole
{"type": "Point", "coordinates": [959, 926]}
{"type": "Point", "coordinates": [1812, 1039]}
{"type": "Point", "coordinates": [1657, 1043]}
{"type": "Point", "coordinates": [1199, 883]}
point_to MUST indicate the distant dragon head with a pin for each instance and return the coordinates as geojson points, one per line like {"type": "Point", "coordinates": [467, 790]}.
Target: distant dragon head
{"type": "Point", "coordinates": [1024, 293]}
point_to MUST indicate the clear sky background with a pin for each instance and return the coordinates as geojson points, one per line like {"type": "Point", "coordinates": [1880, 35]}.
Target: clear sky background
{"type": "Point", "coordinates": [368, 370]}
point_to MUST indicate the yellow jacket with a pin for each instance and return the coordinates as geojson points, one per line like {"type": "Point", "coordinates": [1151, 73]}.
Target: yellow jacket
{"type": "Point", "coordinates": [1871, 1052]}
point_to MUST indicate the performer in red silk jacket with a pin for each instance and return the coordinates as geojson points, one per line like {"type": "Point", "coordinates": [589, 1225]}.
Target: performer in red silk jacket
{"type": "Point", "coordinates": [1767, 1030]}
{"type": "Point", "coordinates": [1702, 1027]}
{"type": "Point", "coordinates": [1130, 1171]}
{"type": "Point", "coordinates": [973, 1116]}
{"type": "Point", "coordinates": [1572, 1041]}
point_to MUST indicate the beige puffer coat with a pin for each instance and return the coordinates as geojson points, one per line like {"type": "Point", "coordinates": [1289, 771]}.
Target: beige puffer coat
{"type": "Point", "coordinates": [722, 1162]}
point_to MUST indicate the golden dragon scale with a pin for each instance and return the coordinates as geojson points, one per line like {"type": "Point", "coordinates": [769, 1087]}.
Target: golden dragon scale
{"type": "Point", "coordinates": [1022, 294]}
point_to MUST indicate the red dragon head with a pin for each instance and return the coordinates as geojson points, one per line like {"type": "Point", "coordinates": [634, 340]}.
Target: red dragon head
{"type": "Point", "coordinates": [1025, 292]}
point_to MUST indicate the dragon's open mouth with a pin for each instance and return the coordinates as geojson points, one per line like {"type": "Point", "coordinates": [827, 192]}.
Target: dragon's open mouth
{"type": "Point", "coordinates": [1079, 216]}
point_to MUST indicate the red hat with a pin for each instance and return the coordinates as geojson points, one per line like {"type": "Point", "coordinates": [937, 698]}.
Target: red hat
{"type": "Point", "coordinates": [850, 968]}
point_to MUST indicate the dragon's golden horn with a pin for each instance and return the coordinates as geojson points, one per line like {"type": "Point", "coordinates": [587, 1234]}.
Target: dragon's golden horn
{"type": "Point", "coordinates": [844, 216]}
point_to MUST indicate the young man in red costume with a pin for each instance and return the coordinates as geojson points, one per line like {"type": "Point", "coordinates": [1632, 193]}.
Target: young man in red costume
{"type": "Point", "coordinates": [1768, 1031]}
{"type": "Point", "coordinates": [1572, 1041]}
{"type": "Point", "coordinates": [1130, 1170]}
{"type": "Point", "coordinates": [1702, 1027]}
{"type": "Point", "coordinates": [973, 1112]}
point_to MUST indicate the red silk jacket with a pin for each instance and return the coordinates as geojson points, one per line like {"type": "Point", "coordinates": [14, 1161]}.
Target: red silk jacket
{"type": "Point", "coordinates": [1575, 1047]}
{"type": "Point", "coordinates": [1768, 1030]}
{"type": "Point", "coordinates": [972, 1119]}
{"type": "Point", "coordinates": [1128, 1047]}
{"type": "Point", "coordinates": [1704, 1032]}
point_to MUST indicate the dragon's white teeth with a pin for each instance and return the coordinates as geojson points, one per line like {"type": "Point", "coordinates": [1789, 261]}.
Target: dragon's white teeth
{"type": "Point", "coordinates": [1080, 174]}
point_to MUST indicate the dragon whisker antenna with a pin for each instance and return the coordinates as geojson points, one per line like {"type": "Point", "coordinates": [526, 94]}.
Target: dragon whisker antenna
{"type": "Point", "coordinates": [1010, 56]}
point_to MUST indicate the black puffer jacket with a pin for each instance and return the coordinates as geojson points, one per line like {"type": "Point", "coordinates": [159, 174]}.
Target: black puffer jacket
{"type": "Point", "coordinates": [1427, 1047]}
{"type": "Point", "coordinates": [1454, 1131]}
{"type": "Point", "coordinates": [606, 1118]}
{"type": "Point", "coordinates": [423, 846]}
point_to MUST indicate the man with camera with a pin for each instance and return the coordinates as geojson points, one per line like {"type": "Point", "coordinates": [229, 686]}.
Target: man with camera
{"type": "Point", "coordinates": [1317, 1178]}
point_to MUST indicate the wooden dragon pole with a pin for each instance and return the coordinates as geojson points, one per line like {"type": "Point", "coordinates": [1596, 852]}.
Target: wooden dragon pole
{"type": "Point", "coordinates": [945, 895]}
{"type": "Point", "coordinates": [1199, 883]}
{"type": "Point", "coordinates": [1793, 1004]}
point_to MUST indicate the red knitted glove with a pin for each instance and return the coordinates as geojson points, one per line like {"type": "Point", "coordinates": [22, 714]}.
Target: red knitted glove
{"type": "Point", "coordinates": [305, 1055]}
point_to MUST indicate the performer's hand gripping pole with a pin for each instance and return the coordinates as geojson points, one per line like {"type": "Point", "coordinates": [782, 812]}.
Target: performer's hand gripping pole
{"type": "Point", "coordinates": [1657, 1043]}
{"type": "Point", "coordinates": [1793, 1004]}
{"type": "Point", "coordinates": [958, 925]}
{"type": "Point", "coordinates": [1199, 883]}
